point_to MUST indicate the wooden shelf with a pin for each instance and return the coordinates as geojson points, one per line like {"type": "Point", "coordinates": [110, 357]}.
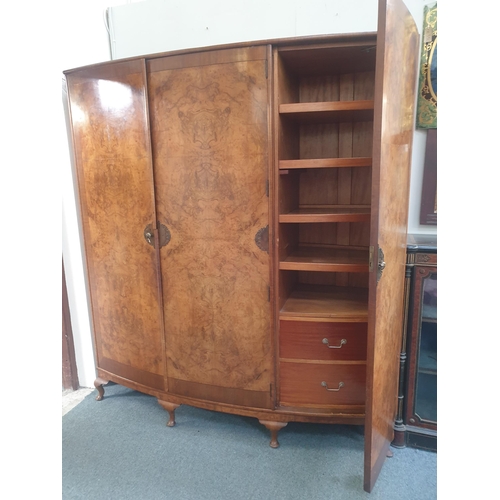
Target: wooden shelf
{"type": "Point", "coordinates": [325, 163]}
{"type": "Point", "coordinates": [326, 215]}
{"type": "Point", "coordinates": [309, 258]}
{"type": "Point", "coordinates": [314, 60]}
{"type": "Point", "coordinates": [328, 112]}
{"type": "Point", "coordinates": [326, 303]}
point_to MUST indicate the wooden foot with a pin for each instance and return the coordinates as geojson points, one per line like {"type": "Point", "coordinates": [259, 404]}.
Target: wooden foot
{"type": "Point", "coordinates": [399, 440]}
{"type": "Point", "coordinates": [389, 454]}
{"type": "Point", "coordinates": [99, 383]}
{"type": "Point", "coordinates": [274, 427]}
{"type": "Point", "coordinates": [170, 407]}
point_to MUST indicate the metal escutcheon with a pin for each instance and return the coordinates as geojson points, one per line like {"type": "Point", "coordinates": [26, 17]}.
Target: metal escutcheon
{"type": "Point", "coordinates": [163, 234]}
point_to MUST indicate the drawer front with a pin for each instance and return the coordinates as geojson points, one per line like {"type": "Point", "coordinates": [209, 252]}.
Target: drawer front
{"type": "Point", "coordinates": [306, 340]}
{"type": "Point", "coordinates": [301, 384]}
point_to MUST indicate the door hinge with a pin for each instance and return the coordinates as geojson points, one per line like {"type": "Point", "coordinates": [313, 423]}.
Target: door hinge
{"type": "Point", "coordinates": [267, 188]}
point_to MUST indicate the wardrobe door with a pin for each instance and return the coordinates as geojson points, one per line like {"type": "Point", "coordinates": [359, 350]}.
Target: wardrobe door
{"type": "Point", "coordinates": [396, 76]}
{"type": "Point", "coordinates": [108, 109]}
{"type": "Point", "coordinates": [210, 132]}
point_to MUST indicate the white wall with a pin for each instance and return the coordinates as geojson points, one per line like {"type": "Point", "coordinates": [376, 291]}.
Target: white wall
{"type": "Point", "coordinates": [151, 26]}
{"type": "Point", "coordinates": [161, 25]}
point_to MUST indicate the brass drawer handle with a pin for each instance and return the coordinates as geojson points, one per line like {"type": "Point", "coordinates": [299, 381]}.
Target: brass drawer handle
{"type": "Point", "coordinates": [324, 384]}
{"type": "Point", "coordinates": [342, 342]}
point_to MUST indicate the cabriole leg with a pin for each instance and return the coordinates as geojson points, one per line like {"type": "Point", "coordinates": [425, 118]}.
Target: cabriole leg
{"type": "Point", "coordinates": [170, 407]}
{"type": "Point", "coordinates": [274, 427]}
{"type": "Point", "coordinates": [99, 383]}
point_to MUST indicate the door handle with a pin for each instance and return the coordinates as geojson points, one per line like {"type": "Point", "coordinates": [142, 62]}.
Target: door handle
{"type": "Point", "coordinates": [149, 235]}
{"type": "Point", "coordinates": [342, 342]}
{"type": "Point", "coordinates": [380, 262]}
{"type": "Point", "coordinates": [324, 384]}
{"type": "Point", "coordinates": [163, 234]}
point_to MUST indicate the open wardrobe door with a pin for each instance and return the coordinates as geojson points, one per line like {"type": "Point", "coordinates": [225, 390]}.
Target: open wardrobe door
{"type": "Point", "coordinates": [396, 66]}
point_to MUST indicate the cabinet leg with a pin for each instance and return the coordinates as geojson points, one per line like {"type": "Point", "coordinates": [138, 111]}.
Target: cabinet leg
{"type": "Point", "coordinates": [99, 383]}
{"type": "Point", "coordinates": [274, 427]}
{"type": "Point", "coordinates": [399, 440]}
{"type": "Point", "coordinates": [170, 407]}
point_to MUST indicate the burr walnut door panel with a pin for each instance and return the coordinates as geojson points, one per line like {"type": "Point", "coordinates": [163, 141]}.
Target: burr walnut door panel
{"type": "Point", "coordinates": [209, 122]}
{"type": "Point", "coordinates": [397, 52]}
{"type": "Point", "coordinates": [113, 162]}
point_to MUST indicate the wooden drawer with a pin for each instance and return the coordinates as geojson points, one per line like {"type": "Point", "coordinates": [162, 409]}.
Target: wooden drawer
{"type": "Point", "coordinates": [301, 384]}
{"type": "Point", "coordinates": [305, 340]}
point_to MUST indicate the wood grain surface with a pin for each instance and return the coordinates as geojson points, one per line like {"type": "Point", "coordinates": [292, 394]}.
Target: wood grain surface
{"type": "Point", "coordinates": [326, 303]}
{"type": "Point", "coordinates": [305, 340]}
{"type": "Point", "coordinates": [209, 122]}
{"type": "Point", "coordinates": [112, 155]}
{"type": "Point", "coordinates": [397, 53]}
{"type": "Point", "coordinates": [301, 384]}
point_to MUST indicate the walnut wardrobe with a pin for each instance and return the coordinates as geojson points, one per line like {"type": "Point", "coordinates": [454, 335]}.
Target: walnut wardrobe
{"type": "Point", "coordinates": [244, 214]}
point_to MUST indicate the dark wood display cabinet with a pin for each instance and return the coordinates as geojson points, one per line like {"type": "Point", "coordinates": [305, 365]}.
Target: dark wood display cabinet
{"type": "Point", "coordinates": [416, 423]}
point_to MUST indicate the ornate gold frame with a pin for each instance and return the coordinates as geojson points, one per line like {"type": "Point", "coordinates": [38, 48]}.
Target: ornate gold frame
{"type": "Point", "coordinates": [427, 91]}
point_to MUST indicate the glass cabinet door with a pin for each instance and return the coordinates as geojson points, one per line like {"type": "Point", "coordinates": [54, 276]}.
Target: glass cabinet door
{"type": "Point", "coordinates": [425, 403]}
{"type": "Point", "coordinates": [417, 423]}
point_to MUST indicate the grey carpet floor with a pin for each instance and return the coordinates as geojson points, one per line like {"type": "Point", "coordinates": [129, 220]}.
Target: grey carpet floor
{"type": "Point", "coordinates": [120, 448]}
